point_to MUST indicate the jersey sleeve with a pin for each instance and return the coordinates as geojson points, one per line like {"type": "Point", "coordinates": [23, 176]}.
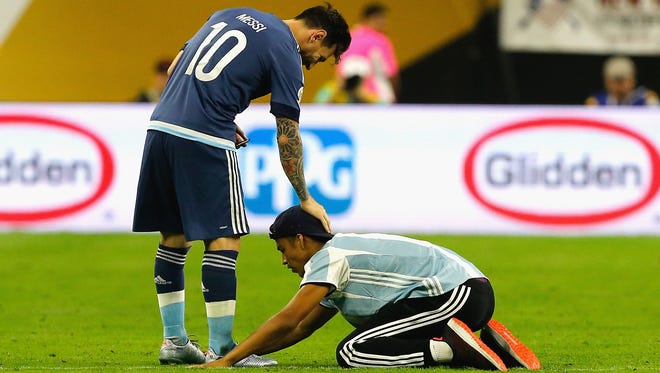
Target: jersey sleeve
{"type": "Point", "coordinates": [286, 81]}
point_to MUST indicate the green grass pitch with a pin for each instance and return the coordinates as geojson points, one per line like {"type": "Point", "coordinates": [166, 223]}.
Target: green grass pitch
{"type": "Point", "coordinates": [72, 302]}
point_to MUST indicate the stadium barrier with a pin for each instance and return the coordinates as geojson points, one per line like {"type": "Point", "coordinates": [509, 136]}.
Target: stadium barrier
{"type": "Point", "coordinates": [404, 169]}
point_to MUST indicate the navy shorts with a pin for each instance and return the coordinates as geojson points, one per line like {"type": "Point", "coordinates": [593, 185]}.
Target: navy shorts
{"type": "Point", "coordinates": [189, 187]}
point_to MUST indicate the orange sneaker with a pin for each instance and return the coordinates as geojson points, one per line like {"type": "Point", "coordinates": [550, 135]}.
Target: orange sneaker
{"type": "Point", "coordinates": [513, 352]}
{"type": "Point", "coordinates": [469, 350]}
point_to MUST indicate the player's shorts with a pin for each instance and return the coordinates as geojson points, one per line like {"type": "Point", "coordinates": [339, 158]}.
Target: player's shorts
{"type": "Point", "coordinates": [189, 187]}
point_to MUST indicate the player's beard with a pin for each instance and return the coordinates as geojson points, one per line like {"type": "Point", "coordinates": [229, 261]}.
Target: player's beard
{"type": "Point", "coordinates": [307, 61]}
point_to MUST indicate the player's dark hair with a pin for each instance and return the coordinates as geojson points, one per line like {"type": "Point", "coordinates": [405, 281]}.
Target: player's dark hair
{"type": "Point", "coordinates": [162, 65]}
{"type": "Point", "coordinates": [329, 19]}
{"type": "Point", "coordinates": [373, 9]}
{"type": "Point", "coordinates": [321, 240]}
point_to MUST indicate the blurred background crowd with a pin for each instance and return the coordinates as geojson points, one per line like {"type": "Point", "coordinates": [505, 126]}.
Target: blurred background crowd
{"type": "Point", "coordinates": [415, 51]}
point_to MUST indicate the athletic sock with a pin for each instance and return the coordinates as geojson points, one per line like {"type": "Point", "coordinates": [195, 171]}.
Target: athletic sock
{"type": "Point", "coordinates": [169, 279]}
{"type": "Point", "coordinates": [219, 288]}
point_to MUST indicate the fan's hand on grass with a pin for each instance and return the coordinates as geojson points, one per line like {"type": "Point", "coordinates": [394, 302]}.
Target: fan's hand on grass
{"type": "Point", "coordinates": [213, 364]}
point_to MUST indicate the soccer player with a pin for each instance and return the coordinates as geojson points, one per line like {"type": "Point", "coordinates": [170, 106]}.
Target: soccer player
{"type": "Point", "coordinates": [413, 303]}
{"type": "Point", "coordinates": [190, 188]}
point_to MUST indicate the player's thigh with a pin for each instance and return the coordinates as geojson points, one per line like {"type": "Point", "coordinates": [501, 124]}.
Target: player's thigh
{"type": "Point", "coordinates": [480, 304]}
{"type": "Point", "coordinates": [209, 191]}
{"type": "Point", "coordinates": [472, 302]}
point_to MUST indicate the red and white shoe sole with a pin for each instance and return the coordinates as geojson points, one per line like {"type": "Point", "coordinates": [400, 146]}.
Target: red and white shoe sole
{"type": "Point", "coordinates": [512, 345]}
{"type": "Point", "coordinates": [466, 334]}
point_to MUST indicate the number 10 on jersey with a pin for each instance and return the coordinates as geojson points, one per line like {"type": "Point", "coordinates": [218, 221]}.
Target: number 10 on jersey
{"type": "Point", "coordinates": [198, 65]}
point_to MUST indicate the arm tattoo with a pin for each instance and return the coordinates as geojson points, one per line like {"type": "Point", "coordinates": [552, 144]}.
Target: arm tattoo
{"type": "Point", "coordinates": [291, 155]}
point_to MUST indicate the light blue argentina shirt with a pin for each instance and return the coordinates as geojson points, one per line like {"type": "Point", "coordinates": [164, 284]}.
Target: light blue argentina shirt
{"type": "Point", "coordinates": [368, 271]}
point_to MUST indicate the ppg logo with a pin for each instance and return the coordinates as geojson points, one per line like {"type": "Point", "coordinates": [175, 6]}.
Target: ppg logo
{"type": "Point", "coordinates": [328, 157]}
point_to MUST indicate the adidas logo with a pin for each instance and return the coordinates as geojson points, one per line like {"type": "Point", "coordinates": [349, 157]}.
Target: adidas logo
{"type": "Point", "coordinates": [161, 281]}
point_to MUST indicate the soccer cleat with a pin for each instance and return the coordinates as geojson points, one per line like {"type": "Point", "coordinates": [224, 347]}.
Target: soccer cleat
{"type": "Point", "coordinates": [255, 361]}
{"type": "Point", "coordinates": [252, 361]}
{"type": "Point", "coordinates": [210, 355]}
{"type": "Point", "coordinates": [513, 352]}
{"type": "Point", "coordinates": [171, 353]}
{"type": "Point", "coordinates": [469, 350]}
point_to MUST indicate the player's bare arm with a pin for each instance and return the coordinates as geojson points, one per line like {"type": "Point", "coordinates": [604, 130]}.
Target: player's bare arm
{"type": "Point", "coordinates": [174, 62]}
{"type": "Point", "coordinates": [318, 317]}
{"type": "Point", "coordinates": [291, 157]}
{"type": "Point", "coordinates": [283, 329]}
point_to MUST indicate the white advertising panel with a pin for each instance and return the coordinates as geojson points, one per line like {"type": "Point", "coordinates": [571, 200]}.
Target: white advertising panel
{"type": "Point", "coordinates": [399, 169]}
{"type": "Point", "coordinates": [581, 26]}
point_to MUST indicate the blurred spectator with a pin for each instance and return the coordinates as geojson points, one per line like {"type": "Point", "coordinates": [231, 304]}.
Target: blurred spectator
{"type": "Point", "coordinates": [371, 45]}
{"type": "Point", "coordinates": [152, 93]}
{"type": "Point", "coordinates": [350, 89]}
{"type": "Point", "coordinates": [621, 86]}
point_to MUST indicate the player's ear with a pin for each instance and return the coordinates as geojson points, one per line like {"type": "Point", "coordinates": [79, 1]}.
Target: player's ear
{"type": "Point", "coordinates": [318, 35]}
{"type": "Point", "coordinates": [300, 240]}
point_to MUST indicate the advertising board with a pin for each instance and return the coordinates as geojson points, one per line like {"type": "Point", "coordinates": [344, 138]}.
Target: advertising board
{"type": "Point", "coordinates": [399, 169]}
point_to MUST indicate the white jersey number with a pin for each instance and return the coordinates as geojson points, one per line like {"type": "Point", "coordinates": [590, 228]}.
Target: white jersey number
{"type": "Point", "coordinates": [198, 67]}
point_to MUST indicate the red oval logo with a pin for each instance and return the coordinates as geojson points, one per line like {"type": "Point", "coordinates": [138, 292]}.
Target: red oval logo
{"type": "Point", "coordinates": [559, 218]}
{"type": "Point", "coordinates": [106, 174]}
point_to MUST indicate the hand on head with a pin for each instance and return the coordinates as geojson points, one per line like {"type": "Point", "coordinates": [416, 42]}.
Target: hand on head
{"type": "Point", "coordinates": [318, 211]}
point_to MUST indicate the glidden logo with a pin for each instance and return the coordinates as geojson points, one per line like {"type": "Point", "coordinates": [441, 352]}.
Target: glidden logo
{"type": "Point", "coordinates": [562, 171]}
{"type": "Point", "coordinates": [49, 168]}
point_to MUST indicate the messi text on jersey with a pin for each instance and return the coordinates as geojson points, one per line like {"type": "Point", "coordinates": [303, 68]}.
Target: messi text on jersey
{"type": "Point", "coordinates": [252, 22]}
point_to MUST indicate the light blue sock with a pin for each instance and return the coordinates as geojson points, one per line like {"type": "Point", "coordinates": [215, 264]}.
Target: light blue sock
{"type": "Point", "coordinates": [221, 339]}
{"type": "Point", "coordinates": [219, 288]}
{"type": "Point", "coordinates": [172, 317]}
{"type": "Point", "coordinates": [169, 280]}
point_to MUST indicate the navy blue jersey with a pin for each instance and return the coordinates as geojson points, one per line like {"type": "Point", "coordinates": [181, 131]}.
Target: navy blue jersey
{"type": "Point", "coordinates": [238, 55]}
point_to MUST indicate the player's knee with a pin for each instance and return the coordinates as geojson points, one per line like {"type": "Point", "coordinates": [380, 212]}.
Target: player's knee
{"type": "Point", "coordinates": [342, 355]}
{"type": "Point", "coordinates": [174, 240]}
{"type": "Point", "coordinates": [223, 243]}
